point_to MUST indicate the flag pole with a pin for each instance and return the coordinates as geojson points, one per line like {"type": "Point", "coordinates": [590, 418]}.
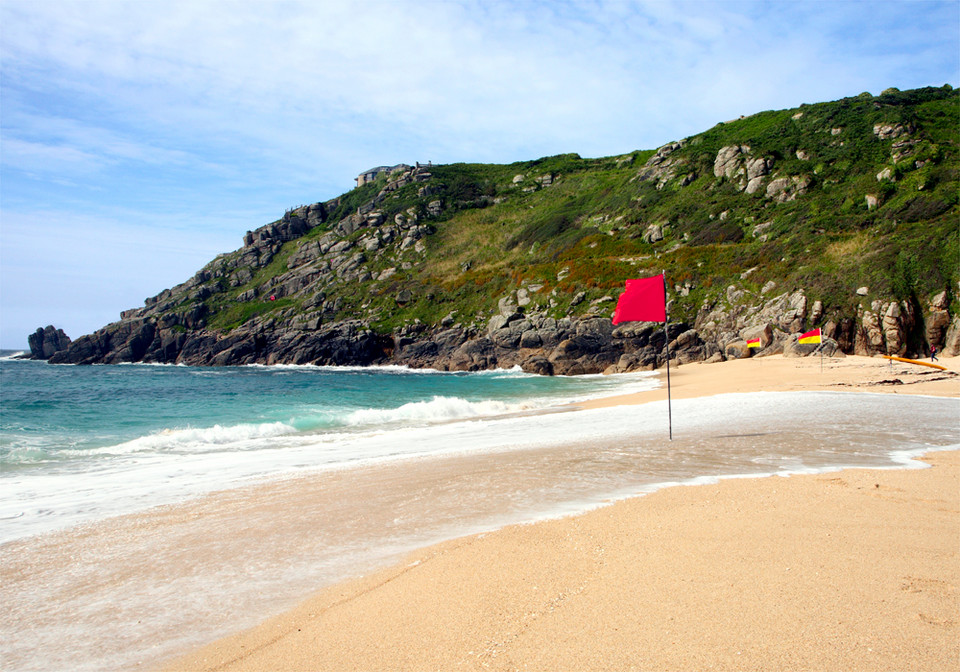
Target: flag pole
{"type": "Point", "coordinates": [666, 332]}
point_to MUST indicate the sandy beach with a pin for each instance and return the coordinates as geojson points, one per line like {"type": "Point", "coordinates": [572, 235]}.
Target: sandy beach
{"type": "Point", "coordinates": [850, 570]}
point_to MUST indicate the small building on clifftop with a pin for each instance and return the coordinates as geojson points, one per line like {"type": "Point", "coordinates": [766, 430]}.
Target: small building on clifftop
{"type": "Point", "coordinates": [371, 175]}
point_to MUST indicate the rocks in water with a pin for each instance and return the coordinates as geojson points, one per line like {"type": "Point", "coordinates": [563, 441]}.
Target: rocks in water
{"type": "Point", "coordinates": [45, 342]}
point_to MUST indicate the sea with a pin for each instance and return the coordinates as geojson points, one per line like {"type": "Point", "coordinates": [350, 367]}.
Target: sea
{"type": "Point", "coordinates": [148, 509]}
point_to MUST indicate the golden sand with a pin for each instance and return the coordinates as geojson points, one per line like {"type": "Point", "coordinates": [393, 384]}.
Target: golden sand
{"type": "Point", "coordinates": [851, 570]}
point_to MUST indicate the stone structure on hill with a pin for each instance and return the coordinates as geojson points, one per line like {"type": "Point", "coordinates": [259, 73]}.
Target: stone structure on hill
{"type": "Point", "coordinates": [372, 174]}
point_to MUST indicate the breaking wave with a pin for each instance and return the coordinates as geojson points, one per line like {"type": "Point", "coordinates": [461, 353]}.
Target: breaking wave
{"type": "Point", "coordinates": [438, 409]}
{"type": "Point", "coordinates": [197, 439]}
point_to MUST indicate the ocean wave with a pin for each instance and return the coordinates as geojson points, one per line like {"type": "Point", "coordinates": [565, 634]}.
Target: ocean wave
{"type": "Point", "coordinates": [24, 454]}
{"type": "Point", "coordinates": [386, 368]}
{"type": "Point", "coordinates": [398, 369]}
{"type": "Point", "coordinates": [202, 439]}
{"type": "Point", "coordinates": [150, 364]}
{"type": "Point", "coordinates": [438, 409]}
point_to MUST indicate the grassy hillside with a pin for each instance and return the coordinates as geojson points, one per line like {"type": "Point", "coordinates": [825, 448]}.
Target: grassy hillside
{"type": "Point", "coordinates": [563, 225]}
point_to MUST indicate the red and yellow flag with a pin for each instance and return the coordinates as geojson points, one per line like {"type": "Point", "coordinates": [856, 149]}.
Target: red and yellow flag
{"type": "Point", "coordinates": [753, 343]}
{"type": "Point", "coordinates": [810, 337]}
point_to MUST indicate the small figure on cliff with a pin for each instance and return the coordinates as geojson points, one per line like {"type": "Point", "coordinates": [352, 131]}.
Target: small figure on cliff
{"type": "Point", "coordinates": [933, 353]}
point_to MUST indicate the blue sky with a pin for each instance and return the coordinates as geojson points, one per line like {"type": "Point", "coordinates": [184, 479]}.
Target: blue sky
{"type": "Point", "coordinates": [138, 140]}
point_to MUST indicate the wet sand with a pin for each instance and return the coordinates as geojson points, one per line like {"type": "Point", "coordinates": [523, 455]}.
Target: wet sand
{"type": "Point", "coordinates": [854, 570]}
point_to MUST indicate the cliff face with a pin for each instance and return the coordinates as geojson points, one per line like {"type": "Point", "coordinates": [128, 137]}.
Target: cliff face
{"type": "Point", "coordinates": [840, 215]}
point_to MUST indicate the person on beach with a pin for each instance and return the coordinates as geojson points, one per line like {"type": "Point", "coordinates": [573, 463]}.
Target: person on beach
{"type": "Point", "coordinates": [933, 353]}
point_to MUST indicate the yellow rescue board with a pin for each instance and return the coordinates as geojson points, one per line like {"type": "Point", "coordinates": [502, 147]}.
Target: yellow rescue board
{"type": "Point", "coordinates": [915, 361]}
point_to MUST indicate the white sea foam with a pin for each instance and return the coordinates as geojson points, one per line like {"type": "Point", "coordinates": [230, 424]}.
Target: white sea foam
{"type": "Point", "coordinates": [196, 439]}
{"type": "Point", "coordinates": [438, 409]}
{"type": "Point", "coordinates": [29, 450]}
{"type": "Point", "coordinates": [178, 463]}
{"type": "Point", "coordinates": [147, 364]}
{"type": "Point", "coordinates": [383, 368]}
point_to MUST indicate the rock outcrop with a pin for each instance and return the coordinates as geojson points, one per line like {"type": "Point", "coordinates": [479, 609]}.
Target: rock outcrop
{"type": "Point", "coordinates": [47, 341]}
{"type": "Point", "coordinates": [937, 324]}
{"type": "Point", "coordinates": [662, 167]}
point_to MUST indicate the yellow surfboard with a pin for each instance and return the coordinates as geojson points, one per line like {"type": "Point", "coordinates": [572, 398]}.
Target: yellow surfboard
{"type": "Point", "coordinates": [915, 361]}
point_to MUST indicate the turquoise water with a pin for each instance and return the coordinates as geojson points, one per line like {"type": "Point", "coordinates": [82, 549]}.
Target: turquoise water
{"type": "Point", "coordinates": [66, 412]}
{"type": "Point", "coordinates": [119, 438]}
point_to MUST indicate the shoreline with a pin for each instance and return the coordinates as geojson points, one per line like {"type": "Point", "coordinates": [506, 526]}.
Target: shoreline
{"type": "Point", "coordinates": [493, 600]}
{"type": "Point", "coordinates": [682, 578]}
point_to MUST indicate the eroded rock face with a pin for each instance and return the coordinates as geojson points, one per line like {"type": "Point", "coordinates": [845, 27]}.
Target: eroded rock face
{"type": "Point", "coordinates": [937, 322]}
{"type": "Point", "coordinates": [951, 340]}
{"type": "Point", "coordinates": [729, 161]}
{"type": "Point", "coordinates": [662, 167]}
{"type": "Point", "coordinates": [869, 336]}
{"type": "Point", "coordinates": [893, 330]}
{"type": "Point", "coordinates": [512, 337]}
{"type": "Point", "coordinates": [785, 189]}
{"type": "Point", "coordinates": [737, 163]}
{"type": "Point", "coordinates": [47, 341]}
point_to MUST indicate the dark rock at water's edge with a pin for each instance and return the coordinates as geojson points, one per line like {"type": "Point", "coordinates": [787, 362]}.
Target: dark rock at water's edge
{"type": "Point", "coordinates": [569, 346]}
{"type": "Point", "coordinates": [535, 342]}
{"type": "Point", "coordinates": [47, 341]}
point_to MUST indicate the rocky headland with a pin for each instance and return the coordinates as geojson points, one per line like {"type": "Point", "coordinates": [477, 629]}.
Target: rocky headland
{"type": "Point", "coordinates": [466, 267]}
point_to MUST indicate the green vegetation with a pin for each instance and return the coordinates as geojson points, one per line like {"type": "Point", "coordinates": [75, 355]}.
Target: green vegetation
{"type": "Point", "coordinates": [878, 205]}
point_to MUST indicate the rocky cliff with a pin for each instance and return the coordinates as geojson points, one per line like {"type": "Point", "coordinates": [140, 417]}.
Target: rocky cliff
{"type": "Point", "coordinates": [840, 215]}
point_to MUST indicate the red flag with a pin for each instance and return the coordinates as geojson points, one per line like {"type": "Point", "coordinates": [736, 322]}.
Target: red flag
{"type": "Point", "coordinates": [810, 337]}
{"type": "Point", "coordinates": [644, 300]}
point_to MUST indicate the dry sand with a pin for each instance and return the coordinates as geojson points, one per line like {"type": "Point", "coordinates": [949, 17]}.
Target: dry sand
{"type": "Point", "coordinates": [852, 570]}
{"type": "Point", "coordinates": [784, 374]}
